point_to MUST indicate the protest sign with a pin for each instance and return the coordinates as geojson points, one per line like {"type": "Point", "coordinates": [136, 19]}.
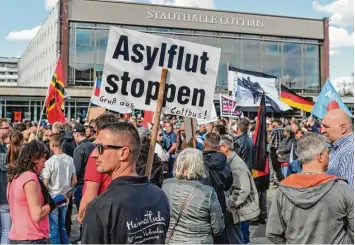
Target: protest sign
{"type": "Point", "coordinates": [94, 112]}
{"type": "Point", "coordinates": [17, 116]}
{"type": "Point", "coordinates": [190, 128]}
{"type": "Point", "coordinates": [228, 108]}
{"type": "Point", "coordinates": [133, 65]}
{"type": "Point", "coordinates": [212, 118]}
{"type": "Point", "coordinates": [95, 99]}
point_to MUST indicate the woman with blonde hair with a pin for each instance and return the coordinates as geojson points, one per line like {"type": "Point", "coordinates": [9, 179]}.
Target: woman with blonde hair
{"type": "Point", "coordinates": [195, 213]}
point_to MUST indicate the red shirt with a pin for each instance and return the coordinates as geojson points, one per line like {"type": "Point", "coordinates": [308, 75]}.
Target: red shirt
{"type": "Point", "coordinates": [91, 174]}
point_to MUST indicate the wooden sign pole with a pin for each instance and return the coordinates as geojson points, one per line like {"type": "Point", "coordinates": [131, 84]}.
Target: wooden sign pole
{"type": "Point", "coordinates": [193, 133]}
{"type": "Point", "coordinates": [156, 122]}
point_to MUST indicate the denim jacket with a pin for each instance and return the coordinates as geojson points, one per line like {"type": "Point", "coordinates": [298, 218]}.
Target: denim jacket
{"type": "Point", "coordinates": [3, 179]}
{"type": "Point", "coordinates": [202, 218]}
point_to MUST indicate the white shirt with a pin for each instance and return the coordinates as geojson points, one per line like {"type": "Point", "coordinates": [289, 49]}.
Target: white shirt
{"type": "Point", "coordinates": [59, 170]}
{"type": "Point", "coordinates": [164, 156]}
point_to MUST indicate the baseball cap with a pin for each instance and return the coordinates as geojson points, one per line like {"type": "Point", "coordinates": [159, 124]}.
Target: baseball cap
{"type": "Point", "coordinates": [79, 128]}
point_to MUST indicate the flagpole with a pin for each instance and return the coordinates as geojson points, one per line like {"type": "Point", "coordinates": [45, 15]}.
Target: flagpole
{"type": "Point", "coordinates": [92, 94]}
{"type": "Point", "coordinates": [95, 74]}
{"type": "Point", "coordinates": [45, 98]}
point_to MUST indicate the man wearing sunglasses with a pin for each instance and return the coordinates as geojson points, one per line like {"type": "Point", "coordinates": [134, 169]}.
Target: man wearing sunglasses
{"type": "Point", "coordinates": [4, 133]}
{"type": "Point", "coordinates": [95, 183]}
{"type": "Point", "coordinates": [132, 209]}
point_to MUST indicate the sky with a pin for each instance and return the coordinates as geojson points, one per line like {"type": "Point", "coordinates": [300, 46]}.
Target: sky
{"type": "Point", "coordinates": [21, 19]}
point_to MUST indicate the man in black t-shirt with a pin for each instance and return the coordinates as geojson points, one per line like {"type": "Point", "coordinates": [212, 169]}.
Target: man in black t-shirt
{"type": "Point", "coordinates": [132, 210]}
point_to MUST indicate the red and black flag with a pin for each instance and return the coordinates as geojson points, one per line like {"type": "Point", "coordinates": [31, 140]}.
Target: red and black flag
{"type": "Point", "coordinates": [55, 99]}
{"type": "Point", "coordinates": [294, 100]}
{"type": "Point", "coordinates": [260, 161]}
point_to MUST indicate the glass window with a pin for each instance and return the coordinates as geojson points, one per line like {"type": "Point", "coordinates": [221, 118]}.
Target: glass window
{"type": "Point", "coordinates": [311, 41]}
{"type": "Point", "coordinates": [209, 33]}
{"type": "Point", "coordinates": [312, 83]}
{"type": "Point", "coordinates": [83, 37]}
{"type": "Point", "coordinates": [70, 109]}
{"type": "Point", "coordinates": [292, 65]}
{"type": "Point", "coordinates": [85, 24]}
{"type": "Point", "coordinates": [156, 29]}
{"type": "Point", "coordinates": [311, 51]}
{"type": "Point", "coordinates": [193, 39]}
{"type": "Point", "coordinates": [222, 82]}
{"type": "Point", "coordinates": [251, 36]}
{"type": "Point", "coordinates": [210, 41]}
{"type": "Point", "coordinates": [227, 34]}
{"type": "Point", "coordinates": [84, 55]}
{"type": "Point", "coordinates": [230, 58]}
{"type": "Point", "coordinates": [272, 48]}
{"type": "Point", "coordinates": [101, 45]}
{"type": "Point", "coordinates": [292, 49]}
{"type": "Point", "coordinates": [136, 28]}
{"type": "Point", "coordinates": [251, 55]}
{"type": "Point", "coordinates": [311, 66]}
{"type": "Point", "coordinates": [229, 45]}
{"type": "Point", "coordinates": [82, 109]}
{"type": "Point", "coordinates": [170, 35]}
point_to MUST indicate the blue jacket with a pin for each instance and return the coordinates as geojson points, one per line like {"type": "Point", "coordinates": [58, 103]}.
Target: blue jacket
{"type": "Point", "coordinates": [243, 146]}
{"type": "Point", "coordinates": [3, 178]}
{"type": "Point", "coordinates": [294, 168]}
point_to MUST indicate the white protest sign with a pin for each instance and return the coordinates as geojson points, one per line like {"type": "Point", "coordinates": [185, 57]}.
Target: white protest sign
{"type": "Point", "coordinates": [212, 118]}
{"type": "Point", "coordinates": [133, 66]}
{"type": "Point", "coordinates": [96, 100]}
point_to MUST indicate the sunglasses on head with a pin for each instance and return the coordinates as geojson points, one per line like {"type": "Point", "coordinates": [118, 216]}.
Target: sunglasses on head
{"type": "Point", "coordinates": [100, 147]}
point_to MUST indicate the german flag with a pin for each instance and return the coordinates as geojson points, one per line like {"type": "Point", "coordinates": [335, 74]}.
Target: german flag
{"type": "Point", "coordinates": [260, 166]}
{"type": "Point", "coordinates": [55, 99]}
{"type": "Point", "coordinates": [294, 100]}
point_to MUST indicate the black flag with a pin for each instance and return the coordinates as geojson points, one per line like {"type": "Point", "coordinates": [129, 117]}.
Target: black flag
{"type": "Point", "coordinates": [260, 160]}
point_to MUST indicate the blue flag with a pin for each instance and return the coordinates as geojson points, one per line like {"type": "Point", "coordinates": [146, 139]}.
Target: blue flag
{"type": "Point", "coordinates": [328, 99]}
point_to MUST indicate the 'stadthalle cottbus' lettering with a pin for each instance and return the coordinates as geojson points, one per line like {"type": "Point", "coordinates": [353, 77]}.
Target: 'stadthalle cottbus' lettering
{"type": "Point", "coordinates": [208, 19]}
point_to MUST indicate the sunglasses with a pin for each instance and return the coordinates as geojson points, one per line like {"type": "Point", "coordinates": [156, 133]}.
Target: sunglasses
{"type": "Point", "coordinates": [100, 147]}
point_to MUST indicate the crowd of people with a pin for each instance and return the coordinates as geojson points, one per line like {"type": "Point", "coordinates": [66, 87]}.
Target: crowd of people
{"type": "Point", "coordinates": [201, 191]}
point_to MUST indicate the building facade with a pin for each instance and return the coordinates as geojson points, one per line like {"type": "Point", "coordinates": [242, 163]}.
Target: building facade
{"type": "Point", "coordinates": [37, 63]}
{"type": "Point", "coordinates": [295, 50]}
{"type": "Point", "coordinates": [8, 71]}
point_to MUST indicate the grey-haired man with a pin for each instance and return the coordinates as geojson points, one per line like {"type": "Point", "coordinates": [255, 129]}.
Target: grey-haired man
{"type": "Point", "coordinates": [312, 207]}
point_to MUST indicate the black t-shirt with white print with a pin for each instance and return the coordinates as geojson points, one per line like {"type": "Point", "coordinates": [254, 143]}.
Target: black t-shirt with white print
{"type": "Point", "coordinates": [131, 211]}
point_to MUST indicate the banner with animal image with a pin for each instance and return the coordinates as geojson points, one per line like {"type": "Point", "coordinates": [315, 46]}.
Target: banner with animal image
{"type": "Point", "coordinates": [248, 85]}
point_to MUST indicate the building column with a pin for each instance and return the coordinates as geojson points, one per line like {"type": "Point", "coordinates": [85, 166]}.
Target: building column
{"type": "Point", "coordinates": [325, 53]}
{"type": "Point", "coordinates": [1, 116]}
{"type": "Point", "coordinates": [35, 114]}
{"type": "Point", "coordinates": [64, 36]}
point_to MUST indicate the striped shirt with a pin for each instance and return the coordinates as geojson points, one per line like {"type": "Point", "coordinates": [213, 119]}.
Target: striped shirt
{"type": "Point", "coordinates": [341, 159]}
{"type": "Point", "coordinates": [276, 136]}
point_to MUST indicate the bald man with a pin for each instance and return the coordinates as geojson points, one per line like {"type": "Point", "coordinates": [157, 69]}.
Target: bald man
{"type": "Point", "coordinates": [338, 129]}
